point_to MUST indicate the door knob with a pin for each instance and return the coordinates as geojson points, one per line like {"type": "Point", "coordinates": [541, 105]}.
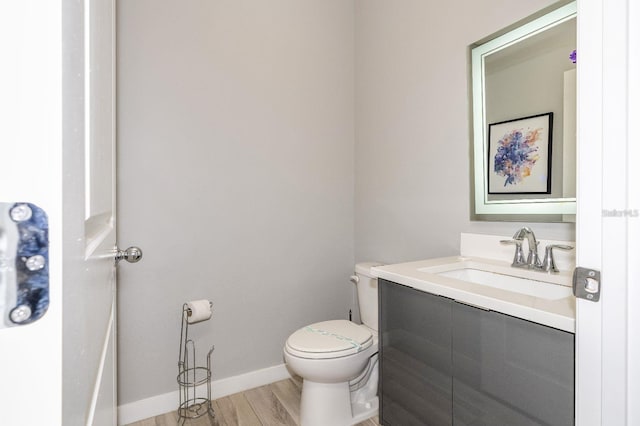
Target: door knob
{"type": "Point", "coordinates": [131, 255]}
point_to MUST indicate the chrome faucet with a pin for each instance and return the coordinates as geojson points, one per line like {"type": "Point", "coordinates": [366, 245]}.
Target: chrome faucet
{"type": "Point", "coordinates": [532, 261]}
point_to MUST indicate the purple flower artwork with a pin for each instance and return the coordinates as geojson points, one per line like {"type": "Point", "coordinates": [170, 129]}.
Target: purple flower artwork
{"type": "Point", "coordinates": [519, 160]}
{"type": "Point", "coordinates": [573, 56]}
{"type": "Point", "coordinates": [516, 155]}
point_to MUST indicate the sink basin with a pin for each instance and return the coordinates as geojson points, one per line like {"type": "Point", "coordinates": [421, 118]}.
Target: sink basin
{"type": "Point", "coordinates": [493, 285]}
{"type": "Point", "coordinates": [513, 283]}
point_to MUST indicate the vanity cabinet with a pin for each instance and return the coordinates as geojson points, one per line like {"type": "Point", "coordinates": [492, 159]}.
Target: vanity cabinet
{"type": "Point", "coordinates": [415, 353]}
{"type": "Point", "coordinates": [446, 363]}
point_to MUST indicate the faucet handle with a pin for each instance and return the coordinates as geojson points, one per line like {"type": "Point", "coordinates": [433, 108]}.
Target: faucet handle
{"type": "Point", "coordinates": [549, 263]}
{"type": "Point", "coordinates": [518, 257]}
{"type": "Point", "coordinates": [560, 246]}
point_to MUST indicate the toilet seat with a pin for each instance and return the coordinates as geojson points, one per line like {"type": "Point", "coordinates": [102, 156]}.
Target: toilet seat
{"type": "Point", "coordinates": [329, 339]}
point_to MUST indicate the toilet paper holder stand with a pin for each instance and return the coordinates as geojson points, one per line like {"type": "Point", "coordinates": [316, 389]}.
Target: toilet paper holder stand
{"type": "Point", "coordinates": [194, 381]}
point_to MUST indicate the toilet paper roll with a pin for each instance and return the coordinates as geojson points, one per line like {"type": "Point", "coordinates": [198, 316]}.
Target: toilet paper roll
{"type": "Point", "coordinates": [200, 311]}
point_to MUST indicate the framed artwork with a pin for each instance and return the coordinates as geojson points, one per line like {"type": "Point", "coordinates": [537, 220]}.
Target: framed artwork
{"type": "Point", "coordinates": [519, 160]}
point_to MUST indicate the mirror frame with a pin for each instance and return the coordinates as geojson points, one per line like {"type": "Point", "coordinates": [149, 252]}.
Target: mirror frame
{"type": "Point", "coordinates": [479, 51]}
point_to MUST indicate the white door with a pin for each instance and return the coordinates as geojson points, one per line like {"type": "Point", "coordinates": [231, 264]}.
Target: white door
{"type": "Point", "coordinates": [89, 217]}
{"type": "Point", "coordinates": [608, 228]}
{"type": "Point", "coordinates": [58, 152]}
{"type": "Point", "coordinates": [31, 170]}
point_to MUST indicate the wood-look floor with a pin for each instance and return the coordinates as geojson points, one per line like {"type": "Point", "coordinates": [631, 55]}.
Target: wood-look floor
{"type": "Point", "coordinates": [270, 405]}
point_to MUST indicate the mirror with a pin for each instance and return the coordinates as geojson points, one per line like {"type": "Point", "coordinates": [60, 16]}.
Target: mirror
{"type": "Point", "coordinates": [524, 111]}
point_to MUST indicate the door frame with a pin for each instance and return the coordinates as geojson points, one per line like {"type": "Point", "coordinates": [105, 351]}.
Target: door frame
{"type": "Point", "coordinates": [31, 171]}
{"type": "Point", "coordinates": [608, 187]}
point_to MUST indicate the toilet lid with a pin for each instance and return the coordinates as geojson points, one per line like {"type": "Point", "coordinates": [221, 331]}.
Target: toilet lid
{"type": "Point", "coordinates": [329, 339]}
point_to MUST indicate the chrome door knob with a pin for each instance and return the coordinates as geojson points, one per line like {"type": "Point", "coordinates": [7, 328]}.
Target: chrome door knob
{"type": "Point", "coordinates": [131, 255]}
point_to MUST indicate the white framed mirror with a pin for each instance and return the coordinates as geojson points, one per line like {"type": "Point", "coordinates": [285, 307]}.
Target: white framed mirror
{"type": "Point", "coordinates": [523, 83]}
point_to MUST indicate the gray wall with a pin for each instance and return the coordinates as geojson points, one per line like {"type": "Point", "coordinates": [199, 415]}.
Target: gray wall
{"type": "Point", "coordinates": [235, 178]}
{"type": "Point", "coordinates": [412, 134]}
{"type": "Point", "coordinates": [237, 124]}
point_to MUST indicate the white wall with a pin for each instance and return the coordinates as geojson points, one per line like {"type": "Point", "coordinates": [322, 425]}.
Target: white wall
{"type": "Point", "coordinates": [412, 132]}
{"type": "Point", "coordinates": [235, 178]}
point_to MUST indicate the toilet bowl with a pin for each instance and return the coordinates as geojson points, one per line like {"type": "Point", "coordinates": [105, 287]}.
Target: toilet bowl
{"type": "Point", "coordinates": [338, 362]}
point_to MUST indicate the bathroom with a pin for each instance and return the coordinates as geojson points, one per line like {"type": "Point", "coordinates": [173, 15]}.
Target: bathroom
{"type": "Point", "coordinates": [281, 143]}
{"type": "Point", "coordinates": [264, 148]}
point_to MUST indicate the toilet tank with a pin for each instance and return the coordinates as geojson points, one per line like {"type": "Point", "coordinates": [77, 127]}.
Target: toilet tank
{"type": "Point", "coordinates": [367, 286]}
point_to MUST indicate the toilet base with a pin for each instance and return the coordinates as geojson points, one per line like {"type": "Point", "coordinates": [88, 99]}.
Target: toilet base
{"type": "Point", "coordinates": [323, 404]}
{"type": "Point", "coordinates": [363, 411]}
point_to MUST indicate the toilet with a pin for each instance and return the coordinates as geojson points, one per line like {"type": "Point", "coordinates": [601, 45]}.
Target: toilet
{"type": "Point", "coordinates": [338, 361]}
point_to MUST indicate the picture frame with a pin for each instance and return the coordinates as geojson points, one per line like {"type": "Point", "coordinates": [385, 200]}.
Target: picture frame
{"type": "Point", "coordinates": [519, 155]}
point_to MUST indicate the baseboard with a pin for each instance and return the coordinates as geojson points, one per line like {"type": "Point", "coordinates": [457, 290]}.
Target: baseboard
{"type": "Point", "coordinates": [160, 404]}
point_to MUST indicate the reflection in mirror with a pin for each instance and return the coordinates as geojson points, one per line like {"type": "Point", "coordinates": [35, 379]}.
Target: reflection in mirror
{"type": "Point", "coordinates": [524, 102]}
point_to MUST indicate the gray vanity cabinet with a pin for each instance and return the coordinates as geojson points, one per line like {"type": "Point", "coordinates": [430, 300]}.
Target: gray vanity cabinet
{"type": "Point", "coordinates": [446, 363]}
{"type": "Point", "coordinates": [508, 371]}
{"type": "Point", "coordinates": [415, 357]}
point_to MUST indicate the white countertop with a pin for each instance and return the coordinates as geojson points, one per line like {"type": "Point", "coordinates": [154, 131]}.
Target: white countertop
{"type": "Point", "coordinates": [558, 313]}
